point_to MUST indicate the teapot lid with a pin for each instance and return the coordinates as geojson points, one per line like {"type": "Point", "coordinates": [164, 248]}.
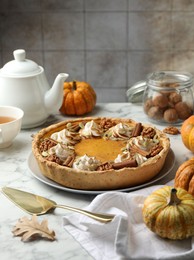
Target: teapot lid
{"type": "Point", "coordinates": [20, 66]}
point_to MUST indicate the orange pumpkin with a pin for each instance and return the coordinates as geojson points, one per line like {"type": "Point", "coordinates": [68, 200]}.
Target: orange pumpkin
{"type": "Point", "coordinates": [79, 98]}
{"type": "Point", "coordinates": [184, 177]}
{"type": "Point", "coordinates": [187, 133]}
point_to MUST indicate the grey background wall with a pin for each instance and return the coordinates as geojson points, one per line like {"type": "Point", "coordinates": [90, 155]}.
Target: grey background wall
{"type": "Point", "coordinates": [110, 43]}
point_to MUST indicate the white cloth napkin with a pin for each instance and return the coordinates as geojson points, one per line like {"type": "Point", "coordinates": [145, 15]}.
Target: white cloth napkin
{"type": "Point", "coordinates": [126, 237]}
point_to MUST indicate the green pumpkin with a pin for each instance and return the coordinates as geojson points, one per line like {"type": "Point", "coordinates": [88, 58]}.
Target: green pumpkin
{"type": "Point", "coordinates": [169, 212]}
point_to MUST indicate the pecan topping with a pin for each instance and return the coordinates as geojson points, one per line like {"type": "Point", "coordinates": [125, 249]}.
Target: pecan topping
{"type": "Point", "coordinates": [104, 166]}
{"type": "Point", "coordinates": [46, 144]}
{"type": "Point", "coordinates": [171, 130]}
{"type": "Point", "coordinates": [137, 130]}
{"type": "Point", "coordinates": [155, 150]}
{"type": "Point", "coordinates": [126, 163]}
{"type": "Point", "coordinates": [148, 132]}
{"type": "Point", "coordinates": [54, 158]}
{"type": "Point", "coordinates": [107, 123]}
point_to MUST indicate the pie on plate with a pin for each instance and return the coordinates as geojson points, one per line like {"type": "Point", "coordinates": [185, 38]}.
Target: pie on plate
{"type": "Point", "coordinates": [98, 153]}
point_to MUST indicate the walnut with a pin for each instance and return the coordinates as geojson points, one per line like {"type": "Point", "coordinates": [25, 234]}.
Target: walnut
{"type": "Point", "coordinates": [148, 132]}
{"type": "Point", "coordinates": [54, 158]}
{"type": "Point", "coordinates": [161, 101]}
{"type": "Point", "coordinates": [104, 166]}
{"type": "Point", "coordinates": [155, 113]}
{"type": "Point", "coordinates": [170, 115]}
{"type": "Point", "coordinates": [155, 150]}
{"type": "Point", "coordinates": [170, 84]}
{"type": "Point", "coordinates": [183, 110]}
{"type": "Point", "coordinates": [46, 144]}
{"type": "Point", "coordinates": [174, 97]}
{"type": "Point", "coordinates": [147, 105]}
{"type": "Point", "coordinates": [171, 130]}
{"type": "Point", "coordinates": [107, 123]}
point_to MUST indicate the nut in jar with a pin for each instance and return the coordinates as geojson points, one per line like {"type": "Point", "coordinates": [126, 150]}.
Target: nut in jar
{"type": "Point", "coordinates": [168, 97]}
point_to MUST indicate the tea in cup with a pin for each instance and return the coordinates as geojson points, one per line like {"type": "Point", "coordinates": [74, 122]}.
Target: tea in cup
{"type": "Point", "coordinates": [10, 124]}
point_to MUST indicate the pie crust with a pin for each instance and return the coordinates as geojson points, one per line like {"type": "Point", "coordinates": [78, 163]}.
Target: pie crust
{"type": "Point", "coordinates": [99, 179]}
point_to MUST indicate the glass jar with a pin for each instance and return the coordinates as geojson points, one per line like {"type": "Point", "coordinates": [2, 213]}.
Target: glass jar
{"type": "Point", "coordinates": [168, 97]}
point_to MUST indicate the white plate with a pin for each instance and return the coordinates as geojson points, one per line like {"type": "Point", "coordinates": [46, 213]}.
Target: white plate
{"type": "Point", "coordinates": [35, 171]}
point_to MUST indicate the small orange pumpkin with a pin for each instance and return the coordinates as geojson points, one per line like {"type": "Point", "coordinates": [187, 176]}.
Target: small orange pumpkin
{"type": "Point", "coordinates": [187, 133]}
{"type": "Point", "coordinates": [184, 177]}
{"type": "Point", "coordinates": [79, 98]}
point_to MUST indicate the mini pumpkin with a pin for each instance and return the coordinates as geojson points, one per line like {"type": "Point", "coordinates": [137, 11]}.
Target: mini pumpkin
{"type": "Point", "coordinates": [79, 98]}
{"type": "Point", "coordinates": [169, 212]}
{"type": "Point", "coordinates": [184, 177]}
{"type": "Point", "coordinates": [187, 133]}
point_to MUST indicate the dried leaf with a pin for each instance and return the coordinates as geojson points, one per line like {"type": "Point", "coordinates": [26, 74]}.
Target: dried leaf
{"type": "Point", "coordinates": [30, 229]}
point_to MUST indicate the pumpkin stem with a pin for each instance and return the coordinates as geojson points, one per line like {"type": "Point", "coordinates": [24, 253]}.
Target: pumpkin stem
{"type": "Point", "coordinates": [174, 200]}
{"type": "Point", "coordinates": [74, 85]}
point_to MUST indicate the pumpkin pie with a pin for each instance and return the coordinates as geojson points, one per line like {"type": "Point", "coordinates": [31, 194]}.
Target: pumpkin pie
{"type": "Point", "coordinates": [98, 153]}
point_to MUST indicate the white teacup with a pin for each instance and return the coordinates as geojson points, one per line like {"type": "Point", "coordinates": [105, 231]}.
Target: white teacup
{"type": "Point", "coordinates": [10, 124]}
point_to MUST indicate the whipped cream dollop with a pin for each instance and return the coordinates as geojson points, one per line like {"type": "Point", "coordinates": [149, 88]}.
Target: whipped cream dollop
{"type": "Point", "coordinates": [126, 155]}
{"type": "Point", "coordinates": [142, 142]}
{"type": "Point", "coordinates": [139, 158]}
{"type": "Point", "coordinates": [66, 137]}
{"type": "Point", "coordinates": [86, 163]}
{"type": "Point", "coordinates": [61, 151]}
{"type": "Point", "coordinates": [122, 157]}
{"type": "Point", "coordinates": [119, 132]}
{"type": "Point", "coordinates": [91, 129]}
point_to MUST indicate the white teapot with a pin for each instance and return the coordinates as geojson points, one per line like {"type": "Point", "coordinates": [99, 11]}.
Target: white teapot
{"type": "Point", "coordinates": [23, 84]}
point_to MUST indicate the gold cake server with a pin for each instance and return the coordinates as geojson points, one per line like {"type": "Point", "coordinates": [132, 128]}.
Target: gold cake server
{"type": "Point", "coordinates": [35, 204]}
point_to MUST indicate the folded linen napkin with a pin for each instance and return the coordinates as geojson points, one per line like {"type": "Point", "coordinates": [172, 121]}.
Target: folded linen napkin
{"type": "Point", "coordinates": [126, 237]}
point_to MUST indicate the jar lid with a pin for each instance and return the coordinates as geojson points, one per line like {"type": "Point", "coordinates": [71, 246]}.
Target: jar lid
{"type": "Point", "coordinates": [20, 66]}
{"type": "Point", "coordinates": [169, 79]}
{"type": "Point", "coordinates": [135, 93]}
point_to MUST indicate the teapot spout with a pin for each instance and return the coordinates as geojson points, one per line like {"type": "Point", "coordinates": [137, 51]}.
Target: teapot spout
{"type": "Point", "coordinates": [54, 97]}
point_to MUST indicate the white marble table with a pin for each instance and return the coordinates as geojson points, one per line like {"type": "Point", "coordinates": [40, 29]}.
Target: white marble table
{"type": "Point", "coordinates": [14, 172]}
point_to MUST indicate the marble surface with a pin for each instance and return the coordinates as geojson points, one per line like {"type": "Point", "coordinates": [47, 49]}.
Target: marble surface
{"type": "Point", "coordinates": [14, 172]}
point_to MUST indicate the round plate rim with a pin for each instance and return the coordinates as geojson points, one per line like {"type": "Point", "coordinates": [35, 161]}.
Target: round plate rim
{"type": "Point", "coordinates": [35, 172]}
